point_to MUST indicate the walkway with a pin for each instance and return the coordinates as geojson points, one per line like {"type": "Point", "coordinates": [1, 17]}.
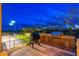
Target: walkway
{"type": "Point", "coordinates": [43, 50]}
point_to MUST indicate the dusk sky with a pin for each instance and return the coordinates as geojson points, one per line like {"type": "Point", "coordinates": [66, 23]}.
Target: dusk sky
{"type": "Point", "coordinates": [38, 14]}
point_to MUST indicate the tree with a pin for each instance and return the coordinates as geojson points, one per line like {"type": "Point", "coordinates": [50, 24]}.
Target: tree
{"type": "Point", "coordinates": [72, 14]}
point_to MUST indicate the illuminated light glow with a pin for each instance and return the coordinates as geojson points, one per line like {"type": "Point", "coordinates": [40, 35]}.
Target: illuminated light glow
{"type": "Point", "coordinates": [11, 24]}
{"type": "Point", "coordinates": [27, 34]}
{"type": "Point", "coordinates": [77, 26]}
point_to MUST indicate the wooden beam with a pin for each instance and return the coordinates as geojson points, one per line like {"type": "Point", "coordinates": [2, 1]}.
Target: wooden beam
{"type": "Point", "coordinates": [0, 28]}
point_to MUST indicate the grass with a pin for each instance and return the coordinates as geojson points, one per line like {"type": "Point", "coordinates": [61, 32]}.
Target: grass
{"type": "Point", "coordinates": [24, 37]}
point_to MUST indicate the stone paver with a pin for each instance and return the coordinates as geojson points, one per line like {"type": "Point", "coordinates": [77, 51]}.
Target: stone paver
{"type": "Point", "coordinates": [43, 50]}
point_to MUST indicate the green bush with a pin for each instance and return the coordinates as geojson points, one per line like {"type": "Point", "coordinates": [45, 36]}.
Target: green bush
{"type": "Point", "coordinates": [24, 37]}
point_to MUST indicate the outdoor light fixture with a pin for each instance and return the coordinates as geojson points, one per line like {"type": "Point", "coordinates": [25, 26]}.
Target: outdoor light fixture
{"type": "Point", "coordinates": [11, 24]}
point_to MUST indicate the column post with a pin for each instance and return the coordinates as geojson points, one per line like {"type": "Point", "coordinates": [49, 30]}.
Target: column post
{"type": "Point", "coordinates": [0, 28]}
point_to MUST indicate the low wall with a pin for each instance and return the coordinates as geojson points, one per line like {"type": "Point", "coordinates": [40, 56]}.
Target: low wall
{"type": "Point", "coordinates": [60, 41]}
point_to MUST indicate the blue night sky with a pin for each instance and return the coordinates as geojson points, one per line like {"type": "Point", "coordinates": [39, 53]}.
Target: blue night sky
{"type": "Point", "coordinates": [31, 14]}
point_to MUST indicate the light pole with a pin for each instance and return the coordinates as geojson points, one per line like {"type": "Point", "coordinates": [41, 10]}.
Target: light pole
{"type": "Point", "coordinates": [12, 24]}
{"type": "Point", "coordinates": [19, 31]}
